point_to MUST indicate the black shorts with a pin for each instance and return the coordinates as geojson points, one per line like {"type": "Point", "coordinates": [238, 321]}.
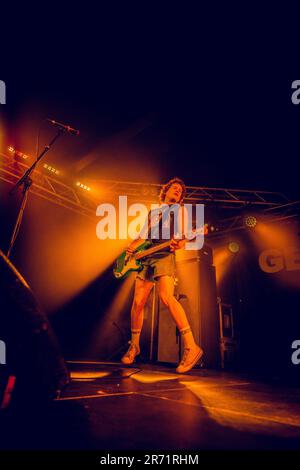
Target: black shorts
{"type": "Point", "coordinates": [155, 267]}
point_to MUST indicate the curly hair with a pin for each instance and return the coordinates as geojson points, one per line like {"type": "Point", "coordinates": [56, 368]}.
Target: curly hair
{"type": "Point", "coordinates": [166, 187]}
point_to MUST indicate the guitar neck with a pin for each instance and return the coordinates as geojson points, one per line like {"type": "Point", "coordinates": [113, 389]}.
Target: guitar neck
{"type": "Point", "coordinates": [161, 246]}
{"type": "Point", "coordinates": [152, 250]}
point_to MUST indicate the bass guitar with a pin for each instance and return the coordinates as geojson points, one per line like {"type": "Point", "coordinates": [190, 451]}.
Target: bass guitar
{"type": "Point", "coordinates": [124, 265]}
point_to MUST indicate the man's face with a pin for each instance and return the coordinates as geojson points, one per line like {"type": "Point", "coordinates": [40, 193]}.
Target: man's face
{"type": "Point", "coordinates": [174, 193]}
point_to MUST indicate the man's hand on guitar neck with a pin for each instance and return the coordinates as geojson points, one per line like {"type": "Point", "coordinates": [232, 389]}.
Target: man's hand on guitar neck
{"type": "Point", "coordinates": [132, 247]}
{"type": "Point", "coordinates": [176, 244]}
{"type": "Point", "coordinates": [129, 253]}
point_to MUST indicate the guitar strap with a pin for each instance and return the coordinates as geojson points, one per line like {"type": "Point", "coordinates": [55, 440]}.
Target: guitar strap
{"type": "Point", "coordinates": [160, 216]}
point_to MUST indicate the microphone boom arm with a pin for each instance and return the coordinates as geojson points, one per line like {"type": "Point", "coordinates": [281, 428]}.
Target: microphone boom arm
{"type": "Point", "coordinates": [26, 181]}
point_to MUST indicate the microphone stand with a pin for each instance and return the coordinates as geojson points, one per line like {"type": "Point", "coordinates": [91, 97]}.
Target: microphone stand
{"type": "Point", "coordinates": [26, 181]}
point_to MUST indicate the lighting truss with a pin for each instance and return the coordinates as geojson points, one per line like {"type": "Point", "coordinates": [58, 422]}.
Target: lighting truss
{"type": "Point", "coordinates": [48, 187]}
{"type": "Point", "coordinates": [57, 191]}
{"type": "Point", "coordinates": [221, 197]}
{"type": "Point", "coordinates": [284, 213]}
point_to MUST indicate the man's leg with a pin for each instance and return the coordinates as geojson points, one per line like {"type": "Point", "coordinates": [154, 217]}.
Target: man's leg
{"type": "Point", "coordinates": [141, 294]}
{"type": "Point", "coordinates": [192, 352]}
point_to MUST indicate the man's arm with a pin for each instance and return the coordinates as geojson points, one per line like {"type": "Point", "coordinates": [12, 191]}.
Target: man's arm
{"type": "Point", "coordinates": [183, 225]}
{"type": "Point", "coordinates": [177, 244]}
{"type": "Point", "coordinates": [135, 244]}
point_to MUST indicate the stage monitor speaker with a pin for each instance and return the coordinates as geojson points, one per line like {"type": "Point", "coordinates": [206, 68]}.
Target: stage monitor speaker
{"type": "Point", "coordinates": [196, 291]}
{"type": "Point", "coordinates": [31, 365]}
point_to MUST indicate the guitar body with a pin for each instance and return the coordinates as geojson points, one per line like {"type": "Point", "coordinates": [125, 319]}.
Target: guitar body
{"type": "Point", "coordinates": [134, 263]}
{"type": "Point", "coordinates": [122, 269]}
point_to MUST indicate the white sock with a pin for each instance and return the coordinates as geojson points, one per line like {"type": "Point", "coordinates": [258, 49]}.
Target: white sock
{"type": "Point", "coordinates": [187, 337]}
{"type": "Point", "coordinates": [135, 337]}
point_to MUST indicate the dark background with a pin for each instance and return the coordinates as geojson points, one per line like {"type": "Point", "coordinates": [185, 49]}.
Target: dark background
{"type": "Point", "coordinates": [212, 86]}
{"type": "Point", "coordinates": [160, 91]}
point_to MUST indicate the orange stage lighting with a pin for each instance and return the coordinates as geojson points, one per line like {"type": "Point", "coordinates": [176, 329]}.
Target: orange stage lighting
{"type": "Point", "coordinates": [88, 376]}
{"type": "Point", "coordinates": [222, 261]}
{"type": "Point", "coordinates": [234, 247]}
{"type": "Point", "coordinates": [149, 377]}
{"type": "Point", "coordinates": [235, 409]}
{"type": "Point", "coordinates": [51, 169]}
{"type": "Point", "coordinates": [83, 186]}
{"type": "Point", "coordinates": [62, 254]}
{"type": "Point", "coordinates": [17, 153]}
{"type": "Point", "coordinates": [279, 252]}
{"type": "Point", "coordinates": [250, 221]}
{"type": "Point", "coordinates": [273, 235]}
{"type": "Point", "coordinates": [105, 328]}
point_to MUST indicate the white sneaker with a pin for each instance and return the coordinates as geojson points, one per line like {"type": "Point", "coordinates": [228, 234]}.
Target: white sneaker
{"type": "Point", "coordinates": [189, 359]}
{"type": "Point", "coordinates": [131, 354]}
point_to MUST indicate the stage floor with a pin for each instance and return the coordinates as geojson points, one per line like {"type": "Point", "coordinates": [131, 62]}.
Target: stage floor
{"type": "Point", "coordinates": [148, 407]}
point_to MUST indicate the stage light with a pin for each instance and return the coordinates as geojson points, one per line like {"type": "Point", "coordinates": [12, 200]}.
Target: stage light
{"type": "Point", "coordinates": [250, 221]}
{"type": "Point", "coordinates": [112, 316]}
{"type": "Point", "coordinates": [83, 186]}
{"type": "Point", "coordinates": [233, 247]}
{"type": "Point", "coordinates": [149, 377]}
{"type": "Point", "coordinates": [17, 153]}
{"type": "Point", "coordinates": [51, 169]}
{"type": "Point", "coordinates": [222, 262]}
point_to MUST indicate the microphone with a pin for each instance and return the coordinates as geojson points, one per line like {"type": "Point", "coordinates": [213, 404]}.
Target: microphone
{"type": "Point", "coordinates": [64, 127]}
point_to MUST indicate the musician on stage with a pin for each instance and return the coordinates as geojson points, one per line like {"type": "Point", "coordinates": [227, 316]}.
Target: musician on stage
{"type": "Point", "coordinates": [160, 268]}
